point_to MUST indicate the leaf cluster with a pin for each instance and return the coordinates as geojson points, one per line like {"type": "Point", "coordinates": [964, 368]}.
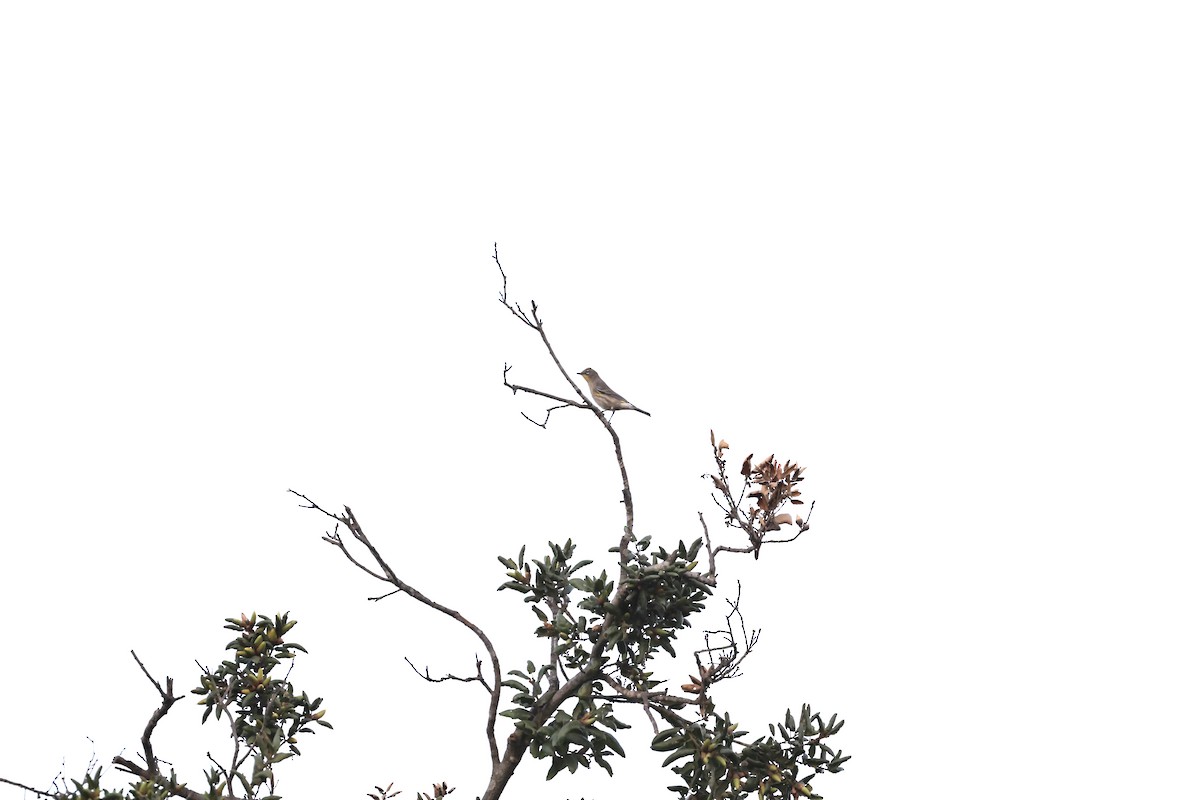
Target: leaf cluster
{"type": "Point", "coordinates": [581, 737]}
{"type": "Point", "coordinates": [569, 740]}
{"type": "Point", "coordinates": [266, 714]}
{"type": "Point", "coordinates": [89, 789]}
{"type": "Point", "coordinates": [440, 790]}
{"type": "Point", "coordinates": [714, 764]}
{"type": "Point", "coordinates": [660, 592]}
{"type": "Point", "coordinates": [604, 630]}
{"type": "Point", "coordinates": [596, 622]}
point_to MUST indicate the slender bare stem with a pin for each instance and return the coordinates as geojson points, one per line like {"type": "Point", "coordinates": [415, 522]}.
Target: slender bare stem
{"type": "Point", "coordinates": [38, 792]}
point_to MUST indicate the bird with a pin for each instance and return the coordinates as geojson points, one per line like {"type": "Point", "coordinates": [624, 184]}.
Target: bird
{"type": "Point", "coordinates": [605, 397]}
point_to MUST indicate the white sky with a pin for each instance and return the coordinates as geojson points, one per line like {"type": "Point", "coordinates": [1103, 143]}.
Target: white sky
{"type": "Point", "coordinates": [940, 253]}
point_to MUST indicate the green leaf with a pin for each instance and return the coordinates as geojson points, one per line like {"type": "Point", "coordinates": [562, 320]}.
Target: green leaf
{"type": "Point", "coordinates": [517, 713]}
{"type": "Point", "coordinates": [686, 751]}
{"type": "Point", "coordinates": [562, 733]}
{"type": "Point", "coordinates": [613, 744]}
{"type": "Point", "coordinates": [665, 740]}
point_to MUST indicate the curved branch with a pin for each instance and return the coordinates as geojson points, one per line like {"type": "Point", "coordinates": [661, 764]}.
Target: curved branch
{"type": "Point", "coordinates": [389, 576]}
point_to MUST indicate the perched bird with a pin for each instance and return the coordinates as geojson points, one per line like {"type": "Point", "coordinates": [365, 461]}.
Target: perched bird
{"type": "Point", "coordinates": [605, 397]}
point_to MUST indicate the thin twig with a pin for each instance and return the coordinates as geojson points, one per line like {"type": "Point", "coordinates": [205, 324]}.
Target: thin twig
{"type": "Point", "coordinates": [451, 677]}
{"type": "Point", "coordinates": [38, 792]}
{"type": "Point", "coordinates": [712, 556]}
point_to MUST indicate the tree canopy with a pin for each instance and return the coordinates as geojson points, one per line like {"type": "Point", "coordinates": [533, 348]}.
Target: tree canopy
{"type": "Point", "coordinates": [610, 630]}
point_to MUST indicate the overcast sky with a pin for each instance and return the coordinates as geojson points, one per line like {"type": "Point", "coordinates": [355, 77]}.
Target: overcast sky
{"type": "Point", "coordinates": [943, 254]}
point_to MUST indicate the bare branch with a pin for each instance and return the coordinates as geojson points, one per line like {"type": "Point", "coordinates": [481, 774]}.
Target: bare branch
{"type": "Point", "coordinates": [517, 388]}
{"type": "Point", "coordinates": [728, 664]}
{"type": "Point", "coordinates": [514, 308]}
{"type": "Point", "coordinates": [712, 556]}
{"type": "Point", "coordinates": [450, 677]}
{"type": "Point", "coordinates": [168, 700]}
{"type": "Point", "coordinates": [388, 575]}
{"type": "Point", "coordinates": [562, 401]}
{"type": "Point", "coordinates": [148, 676]}
{"type": "Point", "coordinates": [38, 792]}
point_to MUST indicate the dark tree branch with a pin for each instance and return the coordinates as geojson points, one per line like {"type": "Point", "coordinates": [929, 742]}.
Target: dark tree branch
{"type": "Point", "coordinates": [38, 792]}
{"type": "Point", "coordinates": [168, 700]}
{"type": "Point", "coordinates": [517, 388]}
{"type": "Point", "coordinates": [388, 575]}
{"type": "Point", "coordinates": [515, 308]}
{"type": "Point", "coordinates": [157, 779]}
